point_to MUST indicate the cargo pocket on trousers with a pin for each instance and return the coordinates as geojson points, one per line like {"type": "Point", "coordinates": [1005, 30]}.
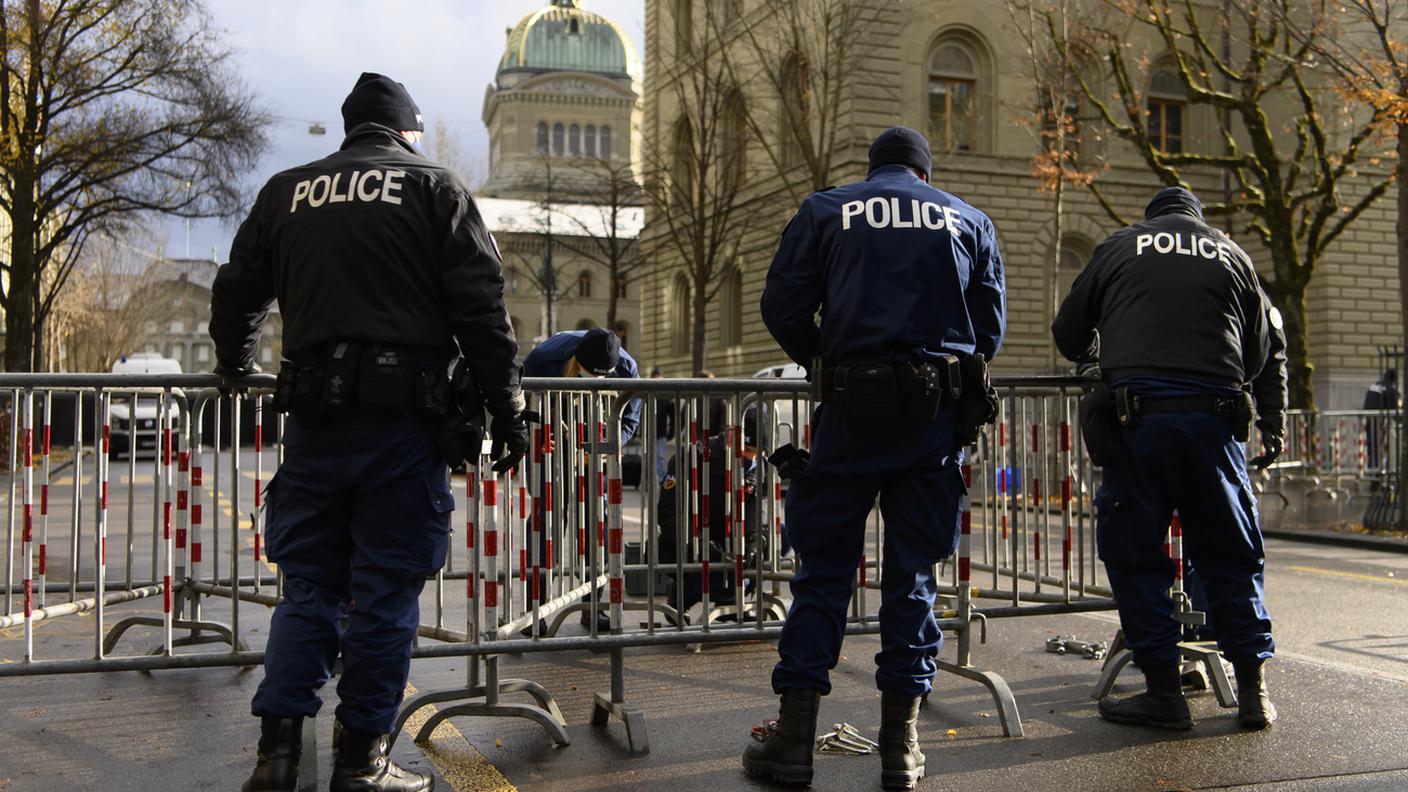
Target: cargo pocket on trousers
{"type": "Point", "coordinates": [442, 505]}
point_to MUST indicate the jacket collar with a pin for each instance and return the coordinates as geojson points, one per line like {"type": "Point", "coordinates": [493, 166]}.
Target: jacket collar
{"type": "Point", "coordinates": [372, 134]}
{"type": "Point", "coordinates": [893, 172]}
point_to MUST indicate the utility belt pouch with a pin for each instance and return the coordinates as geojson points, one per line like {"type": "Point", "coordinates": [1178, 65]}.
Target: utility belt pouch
{"type": "Point", "coordinates": [925, 389]}
{"type": "Point", "coordinates": [1126, 407]}
{"type": "Point", "coordinates": [1243, 417]}
{"type": "Point", "coordinates": [339, 387]}
{"type": "Point", "coordinates": [820, 380]}
{"type": "Point", "coordinates": [432, 394]}
{"type": "Point", "coordinates": [386, 382]}
{"type": "Point", "coordinates": [299, 390]}
{"type": "Point", "coordinates": [283, 389]}
{"type": "Point", "coordinates": [977, 402]}
{"type": "Point", "coordinates": [870, 393]}
{"type": "Point", "coordinates": [1099, 424]}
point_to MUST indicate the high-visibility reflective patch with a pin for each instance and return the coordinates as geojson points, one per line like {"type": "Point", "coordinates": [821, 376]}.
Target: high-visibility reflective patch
{"type": "Point", "coordinates": [669, 483]}
{"type": "Point", "coordinates": [1276, 320]}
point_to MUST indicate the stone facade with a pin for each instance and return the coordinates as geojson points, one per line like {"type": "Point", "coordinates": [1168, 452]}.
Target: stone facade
{"type": "Point", "coordinates": [182, 330]}
{"type": "Point", "coordinates": [1353, 299]}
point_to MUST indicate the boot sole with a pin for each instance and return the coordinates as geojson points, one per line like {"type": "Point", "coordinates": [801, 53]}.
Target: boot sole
{"type": "Point", "coordinates": [901, 779]}
{"type": "Point", "coordinates": [788, 775]}
{"type": "Point", "coordinates": [1180, 725]}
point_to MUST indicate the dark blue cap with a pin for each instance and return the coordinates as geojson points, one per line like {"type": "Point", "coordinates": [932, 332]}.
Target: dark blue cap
{"type": "Point", "coordinates": [1173, 199]}
{"type": "Point", "coordinates": [599, 351]}
{"type": "Point", "coordinates": [901, 146]}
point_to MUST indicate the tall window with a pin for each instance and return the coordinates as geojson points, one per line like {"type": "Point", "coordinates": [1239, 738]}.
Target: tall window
{"type": "Point", "coordinates": [621, 287]}
{"type": "Point", "coordinates": [953, 78]}
{"type": "Point", "coordinates": [679, 316]}
{"type": "Point", "coordinates": [574, 140]}
{"type": "Point", "coordinates": [793, 118]}
{"type": "Point", "coordinates": [684, 25]}
{"type": "Point", "coordinates": [584, 284]}
{"type": "Point", "coordinates": [623, 332]}
{"type": "Point", "coordinates": [558, 135]}
{"type": "Point", "coordinates": [731, 309]}
{"type": "Point", "coordinates": [591, 141]}
{"type": "Point", "coordinates": [606, 142]}
{"type": "Point", "coordinates": [511, 280]}
{"type": "Point", "coordinates": [543, 138]}
{"type": "Point", "coordinates": [735, 139]}
{"type": "Point", "coordinates": [682, 165]}
{"type": "Point", "coordinates": [1168, 105]}
{"type": "Point", "coordinates": [1075, 252]}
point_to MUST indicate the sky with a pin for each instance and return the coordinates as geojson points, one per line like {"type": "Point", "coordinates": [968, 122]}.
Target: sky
{"type": "Point", "coordinates": [301, 57]}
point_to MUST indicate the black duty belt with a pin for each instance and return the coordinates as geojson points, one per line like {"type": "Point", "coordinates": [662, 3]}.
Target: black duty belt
{"type": "Point", "coordinates": [1213, 404]}
{"type": "Point", "coordinates": [884, 391]}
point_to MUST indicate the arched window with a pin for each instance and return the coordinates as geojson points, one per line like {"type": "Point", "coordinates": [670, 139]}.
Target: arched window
{"type": "Point", "coordinates": [517, 327]}
{"type": "Point", "coordinates": [574, 26]}
{"type": "Point", "coordinates": [621, 287]}
{"type": "Point", "coordinates": [679, 316]}
{"type": "Point", "coordinates": [606, 142]}
{"type": "Point", "coordinates": [953, 80]}
{"type": "Point", "coordinates": [591, 141]}
{"type": "Point", "coordinates": [1168, 106]}
{"type": "Point", "coordinates": [684, 25]}
{"type": "Point", "coordinates": [1075, 253]}
{"type": "Point", "coordinates": [574, 141]}
{"type": "Point", "coordinates": [558, 135]}
{"type": "Point", "coordinates": [511, 280]}
{"type": "Point", "coordinates": [735, 139]}
{"type": "Point", "coordinates": [794, 110]}
{"type": "Point", "coordinates": [543, 138]}
{"type": "Point", "coordinates": [731, 309]}
{"type": "Point", "coordinates": [584, 284]}
{"type": "Point", "coordinates": [682, 165]}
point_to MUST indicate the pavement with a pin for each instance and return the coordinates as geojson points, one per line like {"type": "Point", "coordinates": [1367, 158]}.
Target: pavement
{"type": "Point", "coordinates": [1340, 682]}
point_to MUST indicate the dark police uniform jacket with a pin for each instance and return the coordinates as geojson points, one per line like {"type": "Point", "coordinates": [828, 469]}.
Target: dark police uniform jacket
{"type": "Point", "coordinates": [549, 359]}
{"type": "Point", "coordinates": [374, 244]}
{"type": "Point", "coordinates": [1174, 297]}
{"type": "Point", "coordinates": [899, 270]}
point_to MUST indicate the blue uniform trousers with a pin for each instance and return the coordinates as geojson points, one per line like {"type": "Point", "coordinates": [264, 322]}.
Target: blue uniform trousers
{"type": "Point", "coordinates": [359, 515]}
{"type": "Point", "coordinates": [916, 475]}
{"type": "Point", "coordinates": [1189, 462]}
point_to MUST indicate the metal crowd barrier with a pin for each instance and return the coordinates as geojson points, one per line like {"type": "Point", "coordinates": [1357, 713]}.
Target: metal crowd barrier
{"type": "Point", "coordinates": [1340, 468]}
{"type": "Point", "coordinates": [533, 548]}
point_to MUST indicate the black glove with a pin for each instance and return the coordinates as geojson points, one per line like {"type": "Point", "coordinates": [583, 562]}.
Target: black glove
{"type": "Point", "coordinates": [230, 372]}
{"type": "Point", "coordinates": [511, 438]}
{"type": "Point", "coordinates": [789, 461]}
{"type": "Point", "coordinates": [1273, 440]}
{"type": "Point", "coordinates": [978, 405]}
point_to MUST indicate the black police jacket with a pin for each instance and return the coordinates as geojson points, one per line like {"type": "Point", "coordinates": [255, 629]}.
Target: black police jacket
{"type": "Point", "coordinates": [1171, 296]}
{"type": "Point", "coordinates": [374, 244]}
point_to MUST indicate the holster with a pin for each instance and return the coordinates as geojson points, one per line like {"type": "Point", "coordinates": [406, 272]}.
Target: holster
{"type": "Point", "coordinates": [1099, 424]}
{"type": "Point", "coordinates": [1243, 417]}
{"type": "Point", "coordinates": [460, 430]}
{"type": "Point", "coordinates": [977, 400]}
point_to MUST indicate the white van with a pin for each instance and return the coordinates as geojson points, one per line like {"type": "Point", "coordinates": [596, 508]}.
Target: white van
{"type": "Point", "coordinates": [144, 425]}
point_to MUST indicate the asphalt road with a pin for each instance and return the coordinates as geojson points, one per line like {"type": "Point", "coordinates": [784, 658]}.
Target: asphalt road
{"type": "Point", "coordinates": [1340, 681]}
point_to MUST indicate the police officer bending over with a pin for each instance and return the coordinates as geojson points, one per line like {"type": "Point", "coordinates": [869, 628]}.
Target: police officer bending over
{"type": "Point", "coordinates": [1188, 341]}
{"type": "Point", "coordinates": [910, 285]}
{"type": "Point", "coordinates": [380, 264]}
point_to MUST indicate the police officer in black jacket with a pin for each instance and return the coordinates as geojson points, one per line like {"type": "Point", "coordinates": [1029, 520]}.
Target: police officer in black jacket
{"type": "Point", "coordinates": [1188, 344]}
{"type": "Point", "coordinates": [381, 265]}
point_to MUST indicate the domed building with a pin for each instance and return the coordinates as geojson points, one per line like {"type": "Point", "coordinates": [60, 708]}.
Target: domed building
{"type": "Point", "coordinates": [563, 195]}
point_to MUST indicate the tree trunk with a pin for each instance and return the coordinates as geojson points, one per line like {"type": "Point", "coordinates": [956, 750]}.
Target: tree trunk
{"type": "Point", "coordinates": [19, 316]}
{"type": "Point", "coordinates": [701, 330]}
{"type": "Point", "coordinates": [1059, 206]}
{"type": "Point", "coordinates": [613, 293]}
{"type": "Point", "coordinates": [1402, 240]}
{"type": "Point", "coordinates": [1291, 302]}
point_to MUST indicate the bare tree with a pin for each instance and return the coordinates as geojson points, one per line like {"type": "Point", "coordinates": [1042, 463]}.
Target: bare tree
{"type": "Point", "coordinates": [794, 58]}
{"type": "Point", "coordinates": [598, 229]}
{"type": "Point", "coordinates": [444, 148]}
{"type": "Point", "coordinates": [114, 293]}
{"type": "Point", "coordinates": [695, 173]}
{"type": "Point", "coordinates": [108, 109]}
{"type": "Point", "coordinates": [1288, 188]}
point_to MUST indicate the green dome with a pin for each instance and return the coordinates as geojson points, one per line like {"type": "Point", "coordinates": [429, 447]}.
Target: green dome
{"type": "Point", "coordinates": [563, 37]}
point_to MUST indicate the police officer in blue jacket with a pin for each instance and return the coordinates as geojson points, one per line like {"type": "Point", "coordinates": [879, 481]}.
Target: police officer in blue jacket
{"type": "Point", "coordinates": [1192, 352]}
{"type": "Point", "coordinates": [908, 280]}
{"type": "Point", "coordinates": [587, 353]}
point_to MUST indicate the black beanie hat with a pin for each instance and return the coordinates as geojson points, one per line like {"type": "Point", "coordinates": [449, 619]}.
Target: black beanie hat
{"type": "Point", "coordinates": [379, 99]}
{"type": "Point", "coordinates": [901, 146]}
{"type": "Point", "coordinates": [599, 351]}
{"type": "Point", "coordinates": [1173, 199]}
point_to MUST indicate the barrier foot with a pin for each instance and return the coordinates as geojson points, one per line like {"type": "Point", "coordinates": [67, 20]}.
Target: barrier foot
{"type": "Point", "coordinates": [484, 709]}
{"type": "Point", "coordinates": [606, 707]}
{"type": "Point", "coordinates": [1204, 654]}
{"type": "Point", "coordinates": [1114, 664]}
{"type": "Point", "coordinates": [1001, 695]}
{"type": "Point", "coordinates": [219, 633]}
{"type": "Point", "coordinates": [551, 719]}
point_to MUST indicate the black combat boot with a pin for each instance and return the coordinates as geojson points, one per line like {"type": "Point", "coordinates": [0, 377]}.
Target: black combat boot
{"type": "Point", "coordinates": [360, 764]}
{"type": "Point", "coordinates": [901, 763]}
{"type": "Point", "coordinates": [1161, 706]}
{"type": "Point", "coordinates": [1254, 708]}
{"type": "Point", "coordinates": [786, 755]}
{"type": "Point", "coordinates": [280, 748]}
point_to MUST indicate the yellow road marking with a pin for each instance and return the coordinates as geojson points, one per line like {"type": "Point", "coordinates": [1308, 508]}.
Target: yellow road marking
{"type": "Point", "coordinates": [1350, 575]}
{"type": "Point", "coordinates": [454, 757]}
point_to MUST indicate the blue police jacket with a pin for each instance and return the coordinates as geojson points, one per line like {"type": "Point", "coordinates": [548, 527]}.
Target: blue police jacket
{"type": "Point", "coordinates": [898, 269]}
{"type": "Point", "coordinates": [549, 359]}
